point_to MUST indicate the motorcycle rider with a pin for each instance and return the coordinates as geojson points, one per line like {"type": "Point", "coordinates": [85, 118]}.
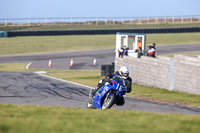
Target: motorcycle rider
{"type": "Point", "coordinates": [124, 73]}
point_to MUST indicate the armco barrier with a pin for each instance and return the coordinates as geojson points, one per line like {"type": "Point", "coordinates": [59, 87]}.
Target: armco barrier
{"type": "Point", "coordinates": [102, 31]}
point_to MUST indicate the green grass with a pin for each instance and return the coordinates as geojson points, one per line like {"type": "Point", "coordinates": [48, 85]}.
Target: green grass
{"type": "Point", "coordinates": [47, 44]}
{"type": "Point", "coordinates": [35, 119]}
{"type": "Point", "coordinates": [109, 26]}
{"type": "Point", "coordinates": [188, 53]}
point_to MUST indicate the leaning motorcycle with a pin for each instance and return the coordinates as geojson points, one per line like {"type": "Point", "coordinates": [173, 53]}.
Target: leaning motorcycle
{"type": "Point", "coordinates": [108, 95]}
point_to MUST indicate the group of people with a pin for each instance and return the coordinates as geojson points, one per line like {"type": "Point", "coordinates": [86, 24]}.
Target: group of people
{"type": "Point", "coordinates": [151, 51]}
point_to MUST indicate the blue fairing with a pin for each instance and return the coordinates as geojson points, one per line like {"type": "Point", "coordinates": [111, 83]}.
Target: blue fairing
{"type": "Point", "coordinates": [116, 87]}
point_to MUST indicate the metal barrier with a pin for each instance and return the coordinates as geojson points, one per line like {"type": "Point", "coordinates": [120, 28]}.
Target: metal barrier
{"type": "Point", "coordinates": [101, 31]}
{"type": "Point", "coordinates": [4, 22]}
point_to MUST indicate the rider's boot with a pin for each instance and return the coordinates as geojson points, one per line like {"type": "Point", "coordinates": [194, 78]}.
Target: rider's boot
{"type": "Point", "coordinates": [91, 96]}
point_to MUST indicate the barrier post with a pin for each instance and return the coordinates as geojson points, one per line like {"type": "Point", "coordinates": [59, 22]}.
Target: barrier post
{"type": "Point", "coordinates": [96, 20]}
{"type": "Point", "coordinates": [5, 22]}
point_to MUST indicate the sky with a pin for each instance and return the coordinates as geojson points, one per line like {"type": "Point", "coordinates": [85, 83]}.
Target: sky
{"type": "Point", "coordinates": [97, 8]}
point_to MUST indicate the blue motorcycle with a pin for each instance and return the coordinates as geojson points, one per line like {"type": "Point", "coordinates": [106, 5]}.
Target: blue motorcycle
{"type": "Point", "coordinates": [108, 95]}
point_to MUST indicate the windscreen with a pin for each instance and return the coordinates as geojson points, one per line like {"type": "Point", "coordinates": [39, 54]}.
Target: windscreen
{"type": "Point", "coordinates": [120, 80]}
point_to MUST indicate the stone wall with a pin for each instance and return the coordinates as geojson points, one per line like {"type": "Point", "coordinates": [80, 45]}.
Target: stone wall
{"type": "Point", "coordinates": [181, 73]}
{"type": "Point", "coordinates": [187, 74]}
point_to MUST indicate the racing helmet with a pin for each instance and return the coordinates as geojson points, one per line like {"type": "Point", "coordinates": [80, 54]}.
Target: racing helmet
{"type": "Point", "coordinates": [124, 72]}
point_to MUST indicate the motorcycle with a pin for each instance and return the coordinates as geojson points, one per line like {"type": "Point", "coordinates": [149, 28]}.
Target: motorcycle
{"type": "Point", "coordinates": [108, 95]}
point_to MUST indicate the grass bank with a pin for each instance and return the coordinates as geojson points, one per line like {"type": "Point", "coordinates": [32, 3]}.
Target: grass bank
{"type": "Point", "coordinates": [35, 119]}
{"type": "Point", "coordinates": [187, 53]}
{"type": "Point", "coordinates": [47, 44]}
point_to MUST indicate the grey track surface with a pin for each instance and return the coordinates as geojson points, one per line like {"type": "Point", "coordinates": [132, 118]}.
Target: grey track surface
{"type": "Point", "coordinates": [32, 89]}
{"type": "Point", "coordinates": [29, 88]}
{"type": "Point", "coordinates": [83, 60]}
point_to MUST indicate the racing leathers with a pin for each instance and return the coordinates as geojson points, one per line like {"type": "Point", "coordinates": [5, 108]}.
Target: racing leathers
{"type": "Point", "coordinates": [128, 84]}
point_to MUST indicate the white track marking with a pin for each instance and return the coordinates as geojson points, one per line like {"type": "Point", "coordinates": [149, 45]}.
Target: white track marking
{"type": "Point", "coordinates": [27, 66]}
{"type": "Point", "coordinates": [64, 81]}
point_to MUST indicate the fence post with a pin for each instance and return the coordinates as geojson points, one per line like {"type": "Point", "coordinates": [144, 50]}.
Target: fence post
{"type": "Point", "coordinates": [105, 21]}
{"type": "Point", "coordinates": [96, 20]}
{"type": "Point", "coordinates": [88, 21]}
{"type": "Point", "coordinates": [139, 20]}
{"type": "Point", "coordinates": [37, 21]}
{"type": "Point", "coordinates": [171, 74]}
{"type": "Point", "coordinates": [46, 20]}
{"type": "Point", "coordinates": [191, 19]}
{"type": "Point", "coordinates": [113, 20]}
{"type": "Point", "coordinates": [122, 20]}
{"type": "Point", "coordinates": [79, 20]}
{"type": "Point", "coordinates": [173, 20]}
{"type": "Point", "coordinates": [13, 22]}
{"type": "Point", "coordinates": [182, 19]}
{"type": "Point", "coordinates": [63, 19]}
{"type": "Point", "coordinates": [29, 23]}
{"type": "Point", "coordinates": [199, 19]}
{"type": "Point", "coordinates": [130, 20]}
{"type": "Point", "coordinates": [156, 20]}
{"type": "Point", "coordinates": [71, 20]}
{"type": "Point", "coordinates": [55, 21]}
{"type": "Point", "coordinates": [21, 22]}
{"type": "Point", "coordinates": [5, 22]}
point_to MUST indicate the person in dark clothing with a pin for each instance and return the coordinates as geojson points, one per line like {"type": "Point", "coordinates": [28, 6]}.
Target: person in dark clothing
{"type": "Point", "coordinates": [124, 73]}
{"type": "Point", "coordinates": [125, 50]}
{"type": "Point", "coordinates": [152, 50]}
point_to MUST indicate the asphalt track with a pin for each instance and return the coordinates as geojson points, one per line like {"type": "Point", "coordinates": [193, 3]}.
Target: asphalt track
{"type": "Point", "coordinates": [34, 89]}
{"type": "Point", "coordinates": [83, 60]}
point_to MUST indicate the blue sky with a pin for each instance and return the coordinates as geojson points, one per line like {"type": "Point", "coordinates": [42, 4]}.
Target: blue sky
{"type": "Point", "coordinates": [97, 8]}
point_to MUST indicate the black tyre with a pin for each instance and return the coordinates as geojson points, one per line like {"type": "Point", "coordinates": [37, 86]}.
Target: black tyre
{"type": "Point", "coordinates": [108, 102]}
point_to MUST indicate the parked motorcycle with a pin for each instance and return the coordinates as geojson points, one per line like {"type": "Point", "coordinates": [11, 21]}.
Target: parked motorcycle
{"type": "Point", "coordinates": [108, 95]}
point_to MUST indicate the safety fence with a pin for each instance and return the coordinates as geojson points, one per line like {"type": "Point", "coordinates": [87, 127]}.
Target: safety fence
{"type": "Point", "coordinates": [98, 20]}
{"type": "Point", "coordinates": [102, 31]}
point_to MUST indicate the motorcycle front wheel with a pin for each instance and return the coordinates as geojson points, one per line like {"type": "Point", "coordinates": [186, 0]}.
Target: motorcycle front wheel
{"type": "Point", "coordinates": [108, 102]}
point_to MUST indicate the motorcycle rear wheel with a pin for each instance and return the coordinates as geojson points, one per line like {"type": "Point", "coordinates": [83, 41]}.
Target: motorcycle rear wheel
{"type": "Point", "coordinates": [108, 102]}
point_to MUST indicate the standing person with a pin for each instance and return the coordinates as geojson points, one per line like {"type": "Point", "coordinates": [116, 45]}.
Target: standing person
{"type": "Point", "coordinates": [125, 51]}
{"type": "Point", "coordinates": [152, 50]}
{"type": "Point", "coordinates": [121, 52]}
{"type": "Point", "coordinates": [139, 49]}
{"type": "Point", "coordinates": [139, 46]}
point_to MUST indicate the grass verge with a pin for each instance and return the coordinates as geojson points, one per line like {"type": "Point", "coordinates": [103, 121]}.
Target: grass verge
{"type": "Point", "coordinates": [47, 44]}
{"type": "Point", "coordinates": [188, 53]}
{"type": "Point", "coordinates": [33, 119]}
